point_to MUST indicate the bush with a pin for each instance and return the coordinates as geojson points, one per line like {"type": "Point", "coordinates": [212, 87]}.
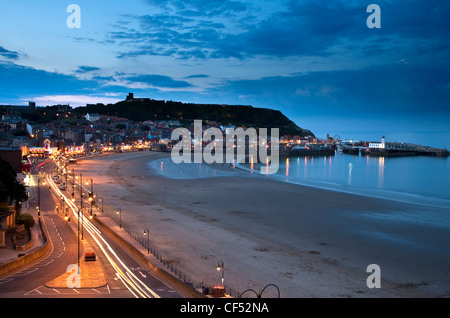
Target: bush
{"type": "Point", "coordinates": [27, 220]}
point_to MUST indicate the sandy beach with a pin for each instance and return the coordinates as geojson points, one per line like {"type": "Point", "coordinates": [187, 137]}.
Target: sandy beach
{"type": "Point", "coordinates": [308, 242]}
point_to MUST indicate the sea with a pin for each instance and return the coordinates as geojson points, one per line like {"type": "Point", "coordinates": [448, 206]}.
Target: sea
{"type": "Point", "coordinates": [418, 179]}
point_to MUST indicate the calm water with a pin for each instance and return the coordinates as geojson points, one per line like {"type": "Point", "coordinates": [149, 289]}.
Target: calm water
{"type": "Point", "coordinates": [412, 179]}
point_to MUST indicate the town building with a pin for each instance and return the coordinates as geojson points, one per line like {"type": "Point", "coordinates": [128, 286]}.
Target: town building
{"type": "Point", "coordinates": [378, 145]}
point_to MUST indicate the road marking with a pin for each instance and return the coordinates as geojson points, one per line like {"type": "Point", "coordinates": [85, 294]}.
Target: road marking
{"type": "Point", "coordinates": [6, 280]}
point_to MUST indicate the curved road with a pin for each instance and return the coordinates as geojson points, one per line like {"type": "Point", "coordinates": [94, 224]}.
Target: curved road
{"type": "Point", "coordinates": [125, 276]}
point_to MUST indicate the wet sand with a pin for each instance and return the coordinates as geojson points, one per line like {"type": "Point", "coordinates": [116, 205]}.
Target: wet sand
{"type": "Point", "coordinates": [308, 242]}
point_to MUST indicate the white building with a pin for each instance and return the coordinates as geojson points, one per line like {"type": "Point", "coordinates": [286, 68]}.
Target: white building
{"type": "Point", "coordinates": [378, 145]}
{"type": "Point", "coordinates": [92, 117]}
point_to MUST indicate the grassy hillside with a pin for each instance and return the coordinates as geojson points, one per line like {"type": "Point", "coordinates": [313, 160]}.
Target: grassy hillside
{"type": "Point", "coordinates": [238, 115]}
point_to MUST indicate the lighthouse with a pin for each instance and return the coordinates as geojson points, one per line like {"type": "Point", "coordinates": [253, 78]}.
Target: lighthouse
{"type": "Point", "coordinates": [378, 145]}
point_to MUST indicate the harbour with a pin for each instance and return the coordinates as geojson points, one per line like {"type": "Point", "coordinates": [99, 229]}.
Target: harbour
{"type": "Point", "coordinates": [390, 149]}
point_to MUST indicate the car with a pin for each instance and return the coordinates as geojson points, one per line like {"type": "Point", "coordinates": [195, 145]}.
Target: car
{"type": "Point", "coordinates": [90, 256]}
{"type": "Point", "coordinates": [62, 186]}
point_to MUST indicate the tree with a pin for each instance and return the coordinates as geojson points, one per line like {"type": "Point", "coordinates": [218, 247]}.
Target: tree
{"type": "Point", "coordinates": [27, 220]}
{"type": "Point", "coordinates": [121, 126]}
{"type": "Point", "coordinates": [10, 188]}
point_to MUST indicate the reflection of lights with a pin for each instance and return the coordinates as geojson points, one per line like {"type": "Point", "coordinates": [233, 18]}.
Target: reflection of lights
{"type": "Point", "coordinates": [350, 167]}
{"type": "Point", "coordinates": [380, 171]}
{"type": "Point", "coordinates": [287, 167]}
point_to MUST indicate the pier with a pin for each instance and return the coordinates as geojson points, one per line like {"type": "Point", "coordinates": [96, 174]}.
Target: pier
{"type": "Point", "coordinates": [397, 150]}
{"type": "Point", "coordinates": [307, 152]}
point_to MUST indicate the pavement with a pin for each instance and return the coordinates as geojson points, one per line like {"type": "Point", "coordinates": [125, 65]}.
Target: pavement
{"type": "Point", "coordinates": [89, 275]}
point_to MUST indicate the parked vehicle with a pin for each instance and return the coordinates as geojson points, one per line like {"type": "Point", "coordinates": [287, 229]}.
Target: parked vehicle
{"type": "Point", "coordinates": [90, 256]}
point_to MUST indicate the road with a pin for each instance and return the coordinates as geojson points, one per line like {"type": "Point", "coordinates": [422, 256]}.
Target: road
{"type": "Point", "coordinates": [125, 276]}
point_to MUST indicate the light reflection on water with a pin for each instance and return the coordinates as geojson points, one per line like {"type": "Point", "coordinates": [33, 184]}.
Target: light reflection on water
{"type": "Point", "coordinates": [419, 176]}
{"type": "Point", "coordinates": [405, 178]}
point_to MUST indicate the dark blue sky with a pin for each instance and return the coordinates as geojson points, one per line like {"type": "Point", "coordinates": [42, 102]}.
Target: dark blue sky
{"type": "Point", "coordinates": [316, 61]}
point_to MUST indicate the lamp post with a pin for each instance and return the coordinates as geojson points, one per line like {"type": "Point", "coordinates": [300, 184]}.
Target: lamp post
{"type": "Point", "coordinates": [66, 213]}
{"type": "Point", "coordinates": [101, 199]}
{"type": "Point", "coordinates": [119, 211]}
{"type": "Point", "coordinates": [73, 184]}
{"type": "Point", "coordinates": [220, 267]}
{"type": "Point", "coordinates": [38, 208]}
{"type": "Point", "coordinates": [91, 197]}
{"type": "Point", "coordinates": [78, 237]}
{"type": "Point", "coordinates": [147, 232]}
{"type": "Point", "coordinates": [81, 183]}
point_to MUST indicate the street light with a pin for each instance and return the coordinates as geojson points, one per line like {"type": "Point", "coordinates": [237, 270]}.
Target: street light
{"type": "Point", "coordinates": [119, 211]}
{"type": "Point", "coordinates": [38, 208]}
{"type": "Point", "coordinates": [101, 199]}
{"type": "Point", "coordinates": [91, 197]}
{"type": "Point", "coordinates": [73, 185]}
{"type": "Point", "coordinates": [147, 232]}
{"type": "Point", "coordinates": [221, 267]}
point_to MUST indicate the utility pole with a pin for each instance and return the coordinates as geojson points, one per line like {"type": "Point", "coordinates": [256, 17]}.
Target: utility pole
{"type": "Point", "coordinates": [39, 197]}
{"type": "Point", "coordinates": [91, 195]}
{"type": "Point", "coordinates": [81, 195]}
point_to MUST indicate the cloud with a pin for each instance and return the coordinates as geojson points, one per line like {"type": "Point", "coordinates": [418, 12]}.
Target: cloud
{"type": "Point", "coordinates": [19, 82]}
{"type": "Point", "coordinates": [159, 81]}
{"type": "Point", "coordinates": [393, 90]}
{"type": "Point", "coordinates": [201, 7]}
{"type": "Point", "coordinates": [86, 69]}
{"type": "Point", "coordinates": [205, 30]}
{"type": "Point", "coordinates": [197, 76]}
{"type": "Point", "coordinates": [74, 100]}
{"type": "Point", "coordinates": [10, 55]}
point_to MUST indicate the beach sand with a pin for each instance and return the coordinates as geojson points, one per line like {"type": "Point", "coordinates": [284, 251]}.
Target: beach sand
{"type": "Point", "coordinates": [308, 242]}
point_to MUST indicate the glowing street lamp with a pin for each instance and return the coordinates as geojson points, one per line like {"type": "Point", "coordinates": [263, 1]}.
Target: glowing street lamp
{"type": "Point", "coordinates": [147, 232]}
{"type": "Point", "coordinates": [220, 267]}
{"type": "Point", "coordinates": [119, 211]}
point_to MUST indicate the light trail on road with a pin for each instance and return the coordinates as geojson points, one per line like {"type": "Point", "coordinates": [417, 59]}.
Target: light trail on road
{"type": "Point", "coordinates": [128, 278]}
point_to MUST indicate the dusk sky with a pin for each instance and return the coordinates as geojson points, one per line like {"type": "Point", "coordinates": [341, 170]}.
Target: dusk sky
{"type": "Point", "coordinates": [316, 61]}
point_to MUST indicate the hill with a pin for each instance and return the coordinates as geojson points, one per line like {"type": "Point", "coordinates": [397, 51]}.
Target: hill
{"type": "Point", "coordinates": [239, 115]}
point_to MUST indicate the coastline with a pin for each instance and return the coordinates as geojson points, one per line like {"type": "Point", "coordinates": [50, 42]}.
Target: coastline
{"type": "Point", "coordinates": [309, 242]}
